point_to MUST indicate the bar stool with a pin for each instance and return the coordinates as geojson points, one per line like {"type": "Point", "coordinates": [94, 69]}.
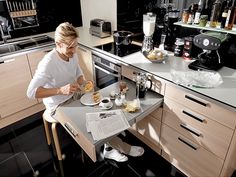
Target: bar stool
{"type": "Point", "coordinates": [47, 118]}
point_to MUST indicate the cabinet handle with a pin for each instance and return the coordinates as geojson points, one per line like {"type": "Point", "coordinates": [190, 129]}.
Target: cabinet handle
{"type": "Point", "coordinates": [7, 61]}
{"type": "Point", "coordinates": [193, 116]}
{"type": "Point", "coordinates": [196, 100]}
{"type": "Point", "coordinates": [47, 51]}
{"type": "Point", "coordinates": [190, 130]}
{"type": "Point", "coordinates": [187, 143]}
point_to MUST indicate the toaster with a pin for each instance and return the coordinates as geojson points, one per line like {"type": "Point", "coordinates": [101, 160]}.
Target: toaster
{"type": "Point", "coordinates": [100, 28]}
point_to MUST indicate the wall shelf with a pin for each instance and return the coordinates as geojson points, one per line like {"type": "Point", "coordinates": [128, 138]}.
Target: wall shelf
{"type": "Point", "coordinates": [218, 29]}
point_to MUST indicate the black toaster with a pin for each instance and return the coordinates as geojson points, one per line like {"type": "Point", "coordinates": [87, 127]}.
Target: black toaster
{"type": "Point", "coordinates": [100, 28]}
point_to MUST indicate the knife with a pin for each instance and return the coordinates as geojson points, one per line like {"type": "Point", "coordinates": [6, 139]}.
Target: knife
{"type": "Point", "coordinates": [26, 6]}
{"type": "Point", "coordinates": [20, 8]}
{"type": "Point", "coordinates": [14, 6]}
{"type": "Point", "coordinates": [17, 9]}
{"type": "Point", "coordinates": [10, 7]}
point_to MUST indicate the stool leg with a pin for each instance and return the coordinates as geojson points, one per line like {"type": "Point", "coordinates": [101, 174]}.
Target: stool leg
{"type": "Point", "coordinates": [46, 128]}
{"type": "Point", "coordinates": [56, 141]}
{"type": "Point", "coordinates": [57, 146]}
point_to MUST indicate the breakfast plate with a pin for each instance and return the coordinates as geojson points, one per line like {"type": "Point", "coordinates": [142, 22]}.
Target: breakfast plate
{"type": "Point", "coordinates": [87, 99]}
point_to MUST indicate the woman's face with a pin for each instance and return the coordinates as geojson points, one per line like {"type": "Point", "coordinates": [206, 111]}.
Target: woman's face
{"type": "Point", "coordinates": [69, 49]}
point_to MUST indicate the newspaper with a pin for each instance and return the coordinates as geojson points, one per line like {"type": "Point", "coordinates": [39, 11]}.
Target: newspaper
{"type": "Point", "coordinates": [106, 123]}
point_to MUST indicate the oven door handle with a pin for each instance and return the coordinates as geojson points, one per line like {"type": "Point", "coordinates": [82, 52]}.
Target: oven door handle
{"type": "Point", "coordinates": [105, 71]}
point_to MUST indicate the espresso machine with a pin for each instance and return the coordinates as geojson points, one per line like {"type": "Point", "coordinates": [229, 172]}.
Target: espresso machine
{"type": "Point", "coordinates": [149, 22]}
{"type": "Point", "coordinates": [213, 52]}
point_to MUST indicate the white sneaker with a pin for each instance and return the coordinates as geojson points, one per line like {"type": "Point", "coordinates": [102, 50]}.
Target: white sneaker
{"type": "Point", "coordinates": [136, 151]}
{"type": "Point", "coordinates": [115, 155]}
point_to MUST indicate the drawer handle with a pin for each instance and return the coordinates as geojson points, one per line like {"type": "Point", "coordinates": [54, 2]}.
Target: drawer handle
{"type": "Point", "coordinates": [195, 100]}
{"type": "Point", "coordinates": [190, 130]}
{"type": "Point", "coordinates": [187, 143]}
{"type": "Point", "coordinates": [71, 129]}
{"type": "Point", "coordinates": [193, 116]}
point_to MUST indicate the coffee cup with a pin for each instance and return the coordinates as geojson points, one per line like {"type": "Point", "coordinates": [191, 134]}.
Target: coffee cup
{"type": "Point", "coordinates": [105, 102]}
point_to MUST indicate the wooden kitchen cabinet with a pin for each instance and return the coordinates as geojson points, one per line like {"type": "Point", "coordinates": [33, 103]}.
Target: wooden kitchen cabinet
{"type": "Point", "coordinates": [34, 58]}
{"type": "Point", "coordinates": [14, 78]}
{"type": "Point", "coordinates": [196, 133]}
{"type": "Point", "coordinates": [85, 62]}
{"type": "Point", "coordinates": [148, 130]}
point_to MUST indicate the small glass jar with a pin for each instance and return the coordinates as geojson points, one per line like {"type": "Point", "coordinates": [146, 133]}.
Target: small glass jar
{"type": "Point", "coordinates": [179, 47]}
{"type": "Point", "coordinates": [185, 15]}
{"type": "Point", "coordinates": [203, 20]}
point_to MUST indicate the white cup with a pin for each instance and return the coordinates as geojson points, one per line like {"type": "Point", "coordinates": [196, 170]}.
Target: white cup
{"type": "Point", "coordinates": [105, 102]}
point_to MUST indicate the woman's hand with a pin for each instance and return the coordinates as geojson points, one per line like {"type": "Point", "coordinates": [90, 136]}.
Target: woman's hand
{"type": "Point", "coordinates": [69, 89]}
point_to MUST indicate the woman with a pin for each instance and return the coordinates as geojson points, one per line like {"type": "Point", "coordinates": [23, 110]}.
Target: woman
{"type": "Point", "coordinates": [59, 77]}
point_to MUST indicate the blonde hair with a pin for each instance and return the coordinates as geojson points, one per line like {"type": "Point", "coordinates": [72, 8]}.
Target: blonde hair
{"type": "Point", "coordinates": [65, 33]}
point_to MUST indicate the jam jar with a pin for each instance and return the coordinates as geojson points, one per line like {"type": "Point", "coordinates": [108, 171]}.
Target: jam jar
{"type": "Point", "coordinates": [179, 47]}
{"type": "Point", "coordinates": [185, 15]}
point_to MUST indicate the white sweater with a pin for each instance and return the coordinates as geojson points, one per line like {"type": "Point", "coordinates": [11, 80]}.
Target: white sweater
{"type": "Point", "coordinates": [53, 72]}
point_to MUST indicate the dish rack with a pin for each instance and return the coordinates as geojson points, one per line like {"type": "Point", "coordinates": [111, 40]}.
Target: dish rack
{"type": "Point", "coordinates": [23, 13]}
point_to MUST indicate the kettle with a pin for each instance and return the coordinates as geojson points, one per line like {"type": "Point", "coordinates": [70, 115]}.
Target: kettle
{"type": "Point", "coordinates": [142, 84]}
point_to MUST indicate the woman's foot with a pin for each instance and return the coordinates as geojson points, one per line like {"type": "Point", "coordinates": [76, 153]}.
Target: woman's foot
{"type": "Point", "coordinates": [114, 155]}
{"type": "Point", "coordinates": [136, 151]}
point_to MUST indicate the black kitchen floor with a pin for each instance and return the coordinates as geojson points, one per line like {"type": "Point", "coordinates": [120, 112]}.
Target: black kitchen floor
{"type": "Point", "coordinates": [26, 140]}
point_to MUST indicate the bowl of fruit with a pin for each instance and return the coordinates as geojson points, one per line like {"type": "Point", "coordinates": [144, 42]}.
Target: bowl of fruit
{"type": "Point", "coordinates": [156, 55]}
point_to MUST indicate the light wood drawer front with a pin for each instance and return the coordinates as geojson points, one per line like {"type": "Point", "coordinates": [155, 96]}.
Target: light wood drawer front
{"type": "Point", "coordinates": [210, 134]}
{"type": "Point", "coordinates": [78, 136]}
{"type": "Point", "coordinates": [149, 127]}
{"type": "Point", "coordinates": [157, 114]}
{"type": "Point", "coordinates": [158, 84]}
{"type": "Point", "coordinates": [128, 72]}
{"type": "Point", "coordinates": [201, 106]}
{"type": "Point", "coordinates": [187, 156]}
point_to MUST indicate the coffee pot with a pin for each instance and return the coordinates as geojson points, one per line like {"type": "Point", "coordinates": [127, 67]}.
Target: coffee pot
{"type": "Point", "coordinates": [142, 84]}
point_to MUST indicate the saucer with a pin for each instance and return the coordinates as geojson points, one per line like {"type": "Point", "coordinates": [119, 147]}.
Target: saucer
{"type": "Point", "coordinates": [106, 108]}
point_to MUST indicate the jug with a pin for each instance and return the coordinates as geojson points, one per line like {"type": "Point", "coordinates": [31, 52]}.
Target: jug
{"type": "Point", "coordinates": [142, 84]}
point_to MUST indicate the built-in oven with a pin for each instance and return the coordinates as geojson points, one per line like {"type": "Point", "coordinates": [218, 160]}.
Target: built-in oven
{"type": "Point", "coordinates": [106, 71]}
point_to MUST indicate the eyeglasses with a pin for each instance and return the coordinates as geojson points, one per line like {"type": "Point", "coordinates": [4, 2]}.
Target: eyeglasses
{"type": "Point", "coordinates": [72, 45]}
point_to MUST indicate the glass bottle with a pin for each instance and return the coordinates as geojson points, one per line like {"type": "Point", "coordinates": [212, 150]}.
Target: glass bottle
{"type": "Point", "coordinates": [224, 15]}
{"type": "Point", "coordinates": [230, 17]}
{"type": "Point", "coordinates": [215, 13]}
{"type": "Point", "coordinates": [198, 13]}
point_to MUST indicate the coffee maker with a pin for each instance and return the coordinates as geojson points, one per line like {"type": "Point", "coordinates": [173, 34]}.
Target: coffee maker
{"type": "Point", "coordinates": [211, 58]}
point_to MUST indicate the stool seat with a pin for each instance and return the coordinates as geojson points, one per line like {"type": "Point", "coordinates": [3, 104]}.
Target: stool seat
{"type": "Point", "coordinates": [49, 118]}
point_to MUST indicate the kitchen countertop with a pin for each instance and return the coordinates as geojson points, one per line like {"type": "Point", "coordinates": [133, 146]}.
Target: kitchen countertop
{"type": "Point", "coordinates": [225, 93]}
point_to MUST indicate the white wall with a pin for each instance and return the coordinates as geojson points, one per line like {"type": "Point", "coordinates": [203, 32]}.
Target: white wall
{"type": "Point", "coordinates": [103, 9]}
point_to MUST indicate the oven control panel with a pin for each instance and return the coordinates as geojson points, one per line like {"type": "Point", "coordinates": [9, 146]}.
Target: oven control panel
{"type": "Point", "coordinates": [106, 63]}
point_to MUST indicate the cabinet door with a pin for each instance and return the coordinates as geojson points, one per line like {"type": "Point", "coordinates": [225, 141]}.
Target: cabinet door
{"type": "Point", "coordinates": [14, 78]}
{"type": "Point", "coordinates": [34, 58]}
{"type": "Point", "coordinates": [148, 130]}
{"type": "Point", "coordinates": [85, 62]}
